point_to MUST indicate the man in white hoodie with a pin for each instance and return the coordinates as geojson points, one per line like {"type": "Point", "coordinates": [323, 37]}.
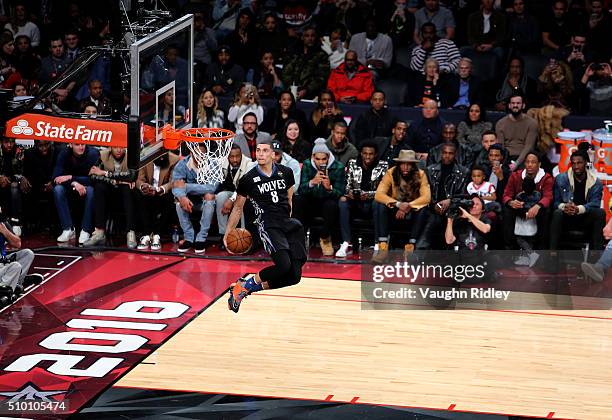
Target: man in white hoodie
{"type": "Point", "coordinates": [234, 166]}
{"type": "Point", "coordinates": [285, 159]}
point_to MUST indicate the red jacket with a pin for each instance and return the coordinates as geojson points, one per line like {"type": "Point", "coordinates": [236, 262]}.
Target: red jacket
{"type": "Point", "coordinates": [515, 186]}
{"type": "Point", "coordinates": [360, 86]}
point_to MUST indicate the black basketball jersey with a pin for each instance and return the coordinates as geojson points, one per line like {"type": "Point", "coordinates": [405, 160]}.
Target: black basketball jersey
{"type": "Point", "coordinates": [268, 194]}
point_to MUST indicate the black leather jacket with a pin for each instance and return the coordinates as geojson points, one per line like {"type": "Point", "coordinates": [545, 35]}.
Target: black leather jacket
{"type": "Point", "coordinates": [464, 156]}
{"type": "Point", "coordinates": [456, 183]}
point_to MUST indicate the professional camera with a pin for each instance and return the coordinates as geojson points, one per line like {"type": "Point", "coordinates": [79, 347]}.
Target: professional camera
{"type": "Point", "coordinates": [456, 203]}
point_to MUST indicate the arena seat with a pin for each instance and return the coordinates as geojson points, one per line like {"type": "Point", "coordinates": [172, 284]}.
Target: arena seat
{"type": "Point", "coordinates": [394, 89]}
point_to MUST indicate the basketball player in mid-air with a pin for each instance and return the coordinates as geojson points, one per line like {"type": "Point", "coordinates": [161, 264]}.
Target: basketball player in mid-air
{"type": "Point", "coordinates": [269, 188]}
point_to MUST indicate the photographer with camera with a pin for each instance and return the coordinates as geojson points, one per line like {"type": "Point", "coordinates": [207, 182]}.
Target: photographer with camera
{"type": "Point", "coordinates": [14, 266]}
{"type": "Point", "coordinates": [322, 183]}
{"type": "Point", "coordinates": [447, 179]}
{"type": "Point", "coordinates": [362, 177]}
{"type": "Point", "coordinates": [466, 225]}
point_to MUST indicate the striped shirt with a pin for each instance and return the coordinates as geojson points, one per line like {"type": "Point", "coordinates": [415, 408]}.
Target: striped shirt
{"type": "Point", "coordinates": [445, 52]}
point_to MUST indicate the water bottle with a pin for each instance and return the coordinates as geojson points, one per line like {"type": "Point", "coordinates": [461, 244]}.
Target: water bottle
{"type": "Point", "coordinates": [307, 241]}
{"type": "Point", "coordinates": [471, 242]}
{"type": "Point", "coordinates": [175, 235]}
{"type": "Point", "coordinates": [359, 244]}
{"type": "Point", "coordinates": [585, 252]}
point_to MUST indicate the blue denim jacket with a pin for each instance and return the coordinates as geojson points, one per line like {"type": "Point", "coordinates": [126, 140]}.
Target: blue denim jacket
{"type": "Point", "coordinates": [564, 190]}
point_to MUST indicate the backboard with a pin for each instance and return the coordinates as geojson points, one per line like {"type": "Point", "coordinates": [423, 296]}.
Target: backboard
{"type": "Point", "coordinates": [162, 83]}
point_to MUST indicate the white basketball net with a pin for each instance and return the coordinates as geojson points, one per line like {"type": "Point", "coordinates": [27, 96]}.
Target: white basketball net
{"type": "Point", "coordinates": [208, 154]}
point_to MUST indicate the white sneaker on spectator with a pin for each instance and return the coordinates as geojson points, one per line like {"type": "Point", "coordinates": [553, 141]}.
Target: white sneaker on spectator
{"type": "Point", "coordinates": [84, 237]}
{"type": "Point", "coordinates": [144, 242]}
{"type": "Point", "coordinates": [66, 235]}
{"type": "Point", "coordinates": [97, 239]}
{"type": "Point", "coordinates": [344, 250]}
{"type": "Point", "coordinates": [17, 230]}
{"type": "Point", "coordinates": [131, 240]}
{"type": "Point", "coordinates": [522, 260]}
{"type": "Point", "coordinates": [596, 272]}
{"type": "Point", "coordinates": [533, 258]}
{"type": "Point", "coordinates": [156, 243]}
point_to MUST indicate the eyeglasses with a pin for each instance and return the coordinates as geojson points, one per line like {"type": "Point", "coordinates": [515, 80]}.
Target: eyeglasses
{"type": "Point", "coordinates": [248, 123]}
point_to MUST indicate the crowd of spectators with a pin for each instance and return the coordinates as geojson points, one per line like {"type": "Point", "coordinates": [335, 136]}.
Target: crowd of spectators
{"type": "Point", "coordinates": [443, 54]}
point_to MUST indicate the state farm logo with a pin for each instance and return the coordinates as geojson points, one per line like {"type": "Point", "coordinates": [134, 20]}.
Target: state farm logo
{"type": "Point", "coordinates": [22, 127]}
{"type": "Point", "coordinates": [49, 131]}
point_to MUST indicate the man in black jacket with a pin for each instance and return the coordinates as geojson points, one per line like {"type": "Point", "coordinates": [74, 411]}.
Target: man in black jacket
{"type": "Point", "coordinates": [389, 147]}
{"type": "Point", "coordinates": [464, 88]}
{"type": "Point", "coordinates": [464, 155]}
{"type": "Point", "coordinates": [497, 170]}
{"type": "Point", "coordinates": [375, 122]}
{"type": "Point", "coordinates": [224, 77]}
{"type": "Point", "coordinates": [447, 179]}
{"type": "Point", "coordinates": [481, 151]}
{"type": "Point", "coordinates": [427, 133]}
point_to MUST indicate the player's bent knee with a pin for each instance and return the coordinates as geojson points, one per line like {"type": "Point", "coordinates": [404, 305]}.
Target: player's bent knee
{"type": "Point", "coordinates": [293, 280]}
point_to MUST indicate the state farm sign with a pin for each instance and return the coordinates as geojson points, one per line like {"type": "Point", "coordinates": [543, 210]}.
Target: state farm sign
{"type": "Point", "coordinates": [67, 130]}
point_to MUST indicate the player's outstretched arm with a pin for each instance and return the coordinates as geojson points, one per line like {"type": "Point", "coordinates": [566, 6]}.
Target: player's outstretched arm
{"type": "Point", "coordinates": [234, 216]}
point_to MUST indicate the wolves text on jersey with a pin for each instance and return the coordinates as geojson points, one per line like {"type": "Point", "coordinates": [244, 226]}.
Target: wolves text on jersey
{"type": "Point", "coordinates": [272, 185]}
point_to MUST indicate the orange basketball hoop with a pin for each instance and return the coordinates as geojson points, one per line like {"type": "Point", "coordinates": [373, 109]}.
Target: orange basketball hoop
{"type": "Point", "coordinates": [208, 146]}
{"type": "Point", "coordinates": [173, 137]}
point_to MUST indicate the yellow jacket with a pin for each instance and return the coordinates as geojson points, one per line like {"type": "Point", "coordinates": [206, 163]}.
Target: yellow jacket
{"type": "Point", "coordinates": [386, 185]}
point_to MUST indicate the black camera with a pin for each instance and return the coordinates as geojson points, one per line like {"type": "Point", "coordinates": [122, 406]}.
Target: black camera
{"type": "Point", "coordinates": [459, 203]}
{"type": "Point", "coordinates": [7, 259]}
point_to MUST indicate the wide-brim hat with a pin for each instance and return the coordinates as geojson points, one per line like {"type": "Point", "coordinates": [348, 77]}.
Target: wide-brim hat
{"type": "Point", "coordinates": [406, 156]}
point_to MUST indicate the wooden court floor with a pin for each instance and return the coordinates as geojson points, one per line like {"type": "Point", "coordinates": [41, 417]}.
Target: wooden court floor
{"type": "Point", "coordinates": [313, 341]}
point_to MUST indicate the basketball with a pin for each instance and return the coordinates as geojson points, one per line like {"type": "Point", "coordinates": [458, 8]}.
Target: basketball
{"type": "Point", "coordinates": [239, 241]}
